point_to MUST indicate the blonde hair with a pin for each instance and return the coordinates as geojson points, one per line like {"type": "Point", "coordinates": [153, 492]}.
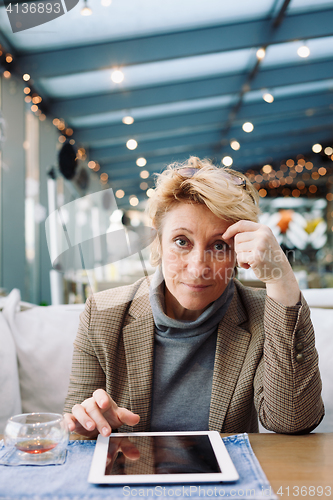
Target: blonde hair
{"type": "Point", "coordinates": [206, 186]}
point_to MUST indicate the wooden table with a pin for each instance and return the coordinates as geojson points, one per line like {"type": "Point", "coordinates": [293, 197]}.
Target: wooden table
{"type": "Point", "coordinates": [295, 462]}
{"type": "Point", "coordinates": [295, 466]}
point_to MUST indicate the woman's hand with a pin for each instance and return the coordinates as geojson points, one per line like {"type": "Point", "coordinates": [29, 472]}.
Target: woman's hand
{"type": "Point", "coordinates": [98, 414]}
{"type": "Point", "coordinates": [256, 247]}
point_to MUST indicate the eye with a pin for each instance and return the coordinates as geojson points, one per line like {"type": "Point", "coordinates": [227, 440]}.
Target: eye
{"type": "Point", "coordinates": [181, 242]}
{"type": "Point", "coordinates": [220, 246]}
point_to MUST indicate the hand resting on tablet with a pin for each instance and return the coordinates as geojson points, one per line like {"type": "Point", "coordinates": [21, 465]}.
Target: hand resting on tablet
{"type": "Point", "coordinates": [98, 414]}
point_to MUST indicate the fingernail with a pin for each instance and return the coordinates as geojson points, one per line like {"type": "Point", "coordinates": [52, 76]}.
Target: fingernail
{"type": "Point", "coordinates": [90, 425]}
{"type": "Point", "coordinates": [105, 431]}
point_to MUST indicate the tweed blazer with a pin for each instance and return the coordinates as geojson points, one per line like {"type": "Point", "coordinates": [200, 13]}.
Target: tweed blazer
{"type": "Point", "coordinates": [258, 370]}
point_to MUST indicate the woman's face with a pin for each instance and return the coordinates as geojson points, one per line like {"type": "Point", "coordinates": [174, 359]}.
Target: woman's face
{"type": "Point", "coordinates": [197, 264]}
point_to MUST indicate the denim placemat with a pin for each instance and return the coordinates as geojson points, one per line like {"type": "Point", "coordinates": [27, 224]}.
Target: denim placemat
{"type": "Point", "coordinates": [70, 480]}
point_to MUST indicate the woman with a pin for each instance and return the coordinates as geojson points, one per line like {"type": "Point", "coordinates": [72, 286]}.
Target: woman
{"type": "Point", "coordinates": [197, 350]}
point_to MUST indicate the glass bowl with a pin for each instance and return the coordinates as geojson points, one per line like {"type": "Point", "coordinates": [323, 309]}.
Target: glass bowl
{"type": "Point", "coordinates": [36, 434]}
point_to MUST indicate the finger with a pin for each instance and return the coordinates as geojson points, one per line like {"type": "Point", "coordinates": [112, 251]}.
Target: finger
{"type": "Point", "coordinates": [102, 421]}
{"type": "Point", "coordinates": [127, 417]}
{"type": "Point", "coordinates": [239, 227]}
{"type": "Point", "coordinates": [83, 418]}
{"type": "Point", "coordinates": [70, 421]}
{"type": "Point", "coordinates": [243, 260]}
{"type": "Point", "coordinates": [129, 449]}
{"type": "Point", "coordinates": [103, 400]}
{"type": "Point", "coordinates": [116, 416]}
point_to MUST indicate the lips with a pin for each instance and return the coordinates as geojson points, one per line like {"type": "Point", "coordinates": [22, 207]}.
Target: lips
{"type": "Point", "coordinates": [196, 287]}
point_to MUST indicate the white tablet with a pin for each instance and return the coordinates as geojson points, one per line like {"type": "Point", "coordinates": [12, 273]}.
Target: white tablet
{"type": "Point", "coordinates": [161, 457]}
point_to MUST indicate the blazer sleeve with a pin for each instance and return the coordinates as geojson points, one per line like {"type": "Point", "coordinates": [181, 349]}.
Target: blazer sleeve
{"type": "Point", "coordinates": [87, 374]}
{"type": "Point", "coordinates": [287, 384]}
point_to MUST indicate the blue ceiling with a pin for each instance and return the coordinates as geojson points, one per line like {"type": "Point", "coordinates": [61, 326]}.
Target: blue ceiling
{"type": "Point", "coordinates": [191, 79]}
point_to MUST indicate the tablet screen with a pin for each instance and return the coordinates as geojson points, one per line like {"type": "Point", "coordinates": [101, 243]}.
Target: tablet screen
{"type": "Point", "coordinates": [184, 454]}
{"type": "Point", "coordinates": [161, 457]}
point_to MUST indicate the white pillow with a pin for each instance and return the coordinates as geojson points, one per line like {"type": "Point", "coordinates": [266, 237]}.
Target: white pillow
{"type": "Point", "coordinates": [9, 380]}
{"type": "Point", "coordinates": [44, 342]}
{"type": "Point", "coordinates": [319, 297]}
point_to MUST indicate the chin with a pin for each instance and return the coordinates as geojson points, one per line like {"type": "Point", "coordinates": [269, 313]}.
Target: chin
{"type": "Point", "coordinates": [195, 305]}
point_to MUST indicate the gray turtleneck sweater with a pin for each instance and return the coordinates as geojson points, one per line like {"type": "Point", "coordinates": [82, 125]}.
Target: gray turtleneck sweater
{"type": "Point", "coordinates": [183, 362]}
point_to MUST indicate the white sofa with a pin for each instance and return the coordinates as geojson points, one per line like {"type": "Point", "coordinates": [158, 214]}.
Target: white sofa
{"type": "Point", "coordinates": [36, 348]}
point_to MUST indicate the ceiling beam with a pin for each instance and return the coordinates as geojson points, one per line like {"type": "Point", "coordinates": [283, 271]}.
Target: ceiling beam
{"type": "Point", "coordinates": [217, 116]}
{"type": "Point", "coordinates": [213, 137]}
{"type": "Point", "coordinates": [271, 149]}
{"type": "Point", "coordinates": [193, 42]}
{"type": "Point", "coordinates": [304, 71]}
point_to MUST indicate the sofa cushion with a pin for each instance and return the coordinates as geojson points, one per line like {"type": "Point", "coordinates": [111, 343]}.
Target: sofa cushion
{"type": "Point", "coordinates": [44, 343]}
{"type": "Point", "coordinates": [9, 379]}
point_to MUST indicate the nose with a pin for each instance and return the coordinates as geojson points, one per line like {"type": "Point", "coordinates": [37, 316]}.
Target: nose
{"type": "Point", "coordinates": [197, 264]}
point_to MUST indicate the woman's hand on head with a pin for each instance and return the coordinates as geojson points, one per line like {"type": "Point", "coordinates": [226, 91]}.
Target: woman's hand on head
{"type": "Point", "coordinates": [256, 246]}
{"type": "Point", "coordinates": [99, 414]}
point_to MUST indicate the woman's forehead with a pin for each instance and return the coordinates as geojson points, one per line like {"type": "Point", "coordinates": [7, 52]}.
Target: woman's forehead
{"type": "Point", "coordinates": [193, 217]}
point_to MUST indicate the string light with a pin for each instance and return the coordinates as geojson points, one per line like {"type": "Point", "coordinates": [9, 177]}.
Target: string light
{"type": "Point", "coordinates": [261, 53]}
{"type": "Point", "coordinates": [144, 174]}
{"type": "Point", "coordinates": [128, 120]}
{"type": "Point", "coordinates": [26, 77]}
{"type": "Point", "coordinates": [267, 97]}
{"type": "Point", "coordinates": [235, 145]}
{"type": "Point", "coordinates": [247, 127]}
{"type": "Point", "coordinates": [120, 193]}
{"type": "Point", "coordinates": [141, 162]}
{"type": "Point", "coordinates": [133, 201]}
{"type": "Point", "coordinates": [131, 144]}
{"type": "Point", "coordinates": [267, 169]}
{"type": "Point", "coordinates": [303, 51]}
{"type": "Point", "coordinates": [117, 76]}
{"type": "Point", "coordinates": [316, 148]}
{"type": "Point", "coordinates": [227, 161]}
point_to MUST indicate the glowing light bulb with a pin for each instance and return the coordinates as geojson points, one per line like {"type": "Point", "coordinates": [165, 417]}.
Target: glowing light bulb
{"type": "Point", "coordinates": [261, 53]}
{"type": "Point", "coordinates": [131, 144]}
{"type": "Point", "coordinates": [303, 51]}
{"type": "Point", "coordinates": [120, 193]}
{"type": "Point", "coordinates": [128, 120]}
{"type": "Point", "coordinates": [247, 127]}
{"type": "Point", "coordinates": [235, 145]}
{"type": "Point", "coordinates": [141, 162]}
{"type": "Point", "coordinates": [268, 97]}
{"type": "Point", "coordinates": [227, 161]}
{"type": "Point", "coordinates": [316, 148]}
{"type": "Point", "coordinates": [117, 76]}
{"type": "Point", "coordinates": [134, 201]}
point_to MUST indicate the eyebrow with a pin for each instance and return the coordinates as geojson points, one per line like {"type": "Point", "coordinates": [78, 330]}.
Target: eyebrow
{"type": "Point", "coordinates": [219, 233]}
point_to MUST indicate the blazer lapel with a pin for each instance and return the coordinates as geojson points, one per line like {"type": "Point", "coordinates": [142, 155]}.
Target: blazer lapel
{"type": "Point", "coordinates": [231, 348]}
{"type": "Point", "coordinates": [138, 336]}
